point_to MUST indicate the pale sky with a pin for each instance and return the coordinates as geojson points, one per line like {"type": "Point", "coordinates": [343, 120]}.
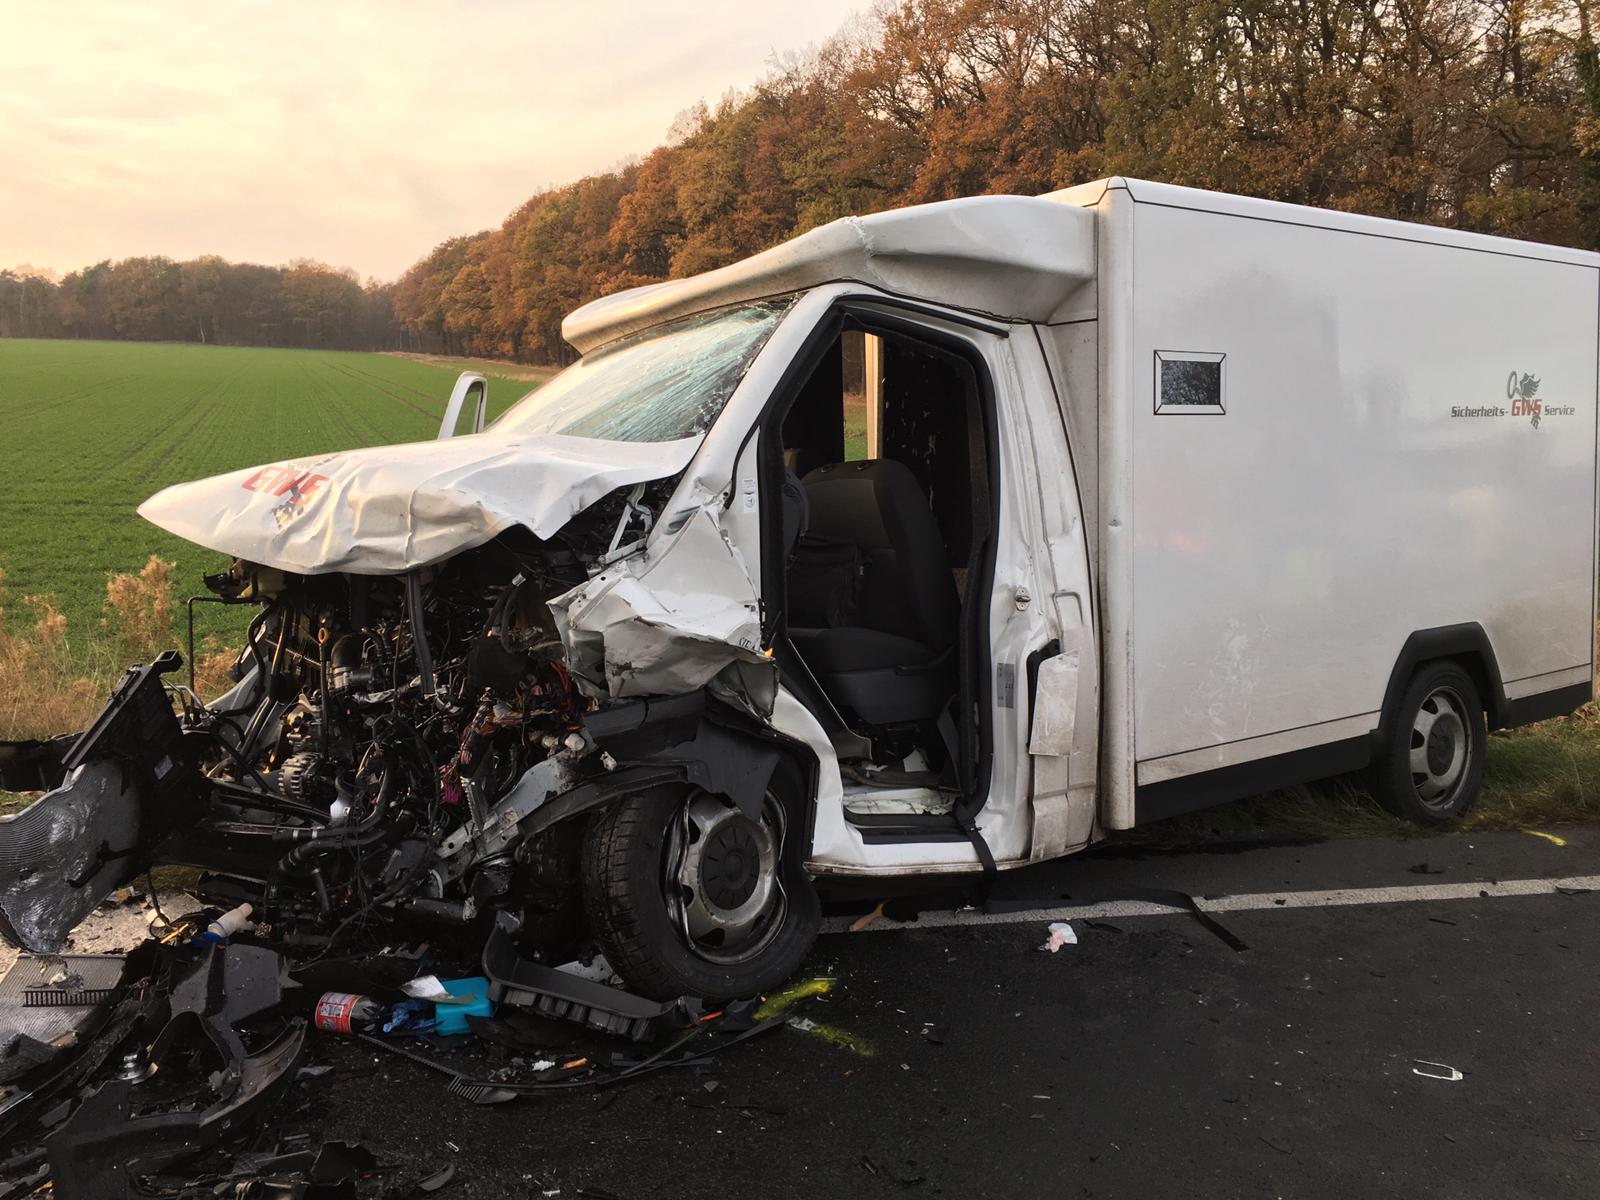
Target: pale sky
{"type": "Point", "coordinates": [358, 132]}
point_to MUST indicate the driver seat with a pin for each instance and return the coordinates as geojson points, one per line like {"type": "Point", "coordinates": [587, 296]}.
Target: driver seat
{"type": "Point", "coordinates": [874, 610]}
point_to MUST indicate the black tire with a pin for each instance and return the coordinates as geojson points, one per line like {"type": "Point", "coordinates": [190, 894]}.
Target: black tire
{"type": "Point", "coordinates": [1430, 766]}
{"type": "Point", "coordinates": [645, 934]}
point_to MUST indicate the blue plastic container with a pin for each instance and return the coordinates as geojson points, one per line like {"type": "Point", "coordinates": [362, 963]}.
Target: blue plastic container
{"type": "Point", "coordinates": [452, 1018]}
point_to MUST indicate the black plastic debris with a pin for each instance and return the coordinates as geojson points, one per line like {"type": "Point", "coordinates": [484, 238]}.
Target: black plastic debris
{"type": "Point", "coordinates": [124, 1069]}
{"type": "Point", "coordinates": [160, 1075]}
{"type": "Point", "coordinates": [438, 1179]}
{"type": "Point", "coordinates": [519, 981]}
{"type": "Point", "coordinates": [224, 987]}
{"type": "Point", "coordinates": [138, 783]}
{"type": "Point", "coordinates": [49, 1004]}
{"type": "Point", "coordinates": [308, 1169]}
{"type": "Point", "coordinates": [690, 1046]}
{"type": "Point", "coordinates": [102, 1148]}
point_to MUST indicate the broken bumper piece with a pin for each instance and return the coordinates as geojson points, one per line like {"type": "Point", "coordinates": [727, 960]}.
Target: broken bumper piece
{"type": "Point", "coordinates": [520, 982]}
{"type": "Point", "coordinates": [101, 1148]}
{"type": "Point", "coordinates": [118, 789]}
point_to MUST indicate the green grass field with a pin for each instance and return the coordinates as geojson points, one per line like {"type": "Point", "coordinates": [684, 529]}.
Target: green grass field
{"type": "Point", "coordinates": [90, 429]}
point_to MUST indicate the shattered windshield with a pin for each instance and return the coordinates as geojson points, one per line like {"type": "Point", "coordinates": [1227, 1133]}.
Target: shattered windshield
{"type": "Point", "coordinates": [657, 386]}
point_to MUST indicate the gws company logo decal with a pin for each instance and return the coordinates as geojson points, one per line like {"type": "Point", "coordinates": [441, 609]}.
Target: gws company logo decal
{"type": "Point", "coordinates": [1522, 391]}
{"type": "Point", "coordinates": [293, 485]}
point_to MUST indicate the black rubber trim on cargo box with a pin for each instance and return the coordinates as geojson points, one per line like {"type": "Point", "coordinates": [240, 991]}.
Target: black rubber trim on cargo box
{"type": "Point", "coordinates": [1170, 797]}
{"type": "Point", "coordinates": [1541, 706]}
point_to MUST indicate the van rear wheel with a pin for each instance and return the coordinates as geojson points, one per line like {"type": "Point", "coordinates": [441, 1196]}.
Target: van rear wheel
{"type": "Point", "coordinates": [1430, 768]}
{"type": "Point", "coordinates": [689, 896]}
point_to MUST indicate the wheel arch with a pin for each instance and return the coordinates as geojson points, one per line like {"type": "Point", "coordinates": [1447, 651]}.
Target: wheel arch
{"type": "Point", "coordinates": [690, 739]}
{"type": "Point", "coordinates": [1466, 644]}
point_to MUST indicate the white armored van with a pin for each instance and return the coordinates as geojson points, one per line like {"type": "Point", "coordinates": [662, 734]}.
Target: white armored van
{"type": "Point", "coordinates": [935, 541]}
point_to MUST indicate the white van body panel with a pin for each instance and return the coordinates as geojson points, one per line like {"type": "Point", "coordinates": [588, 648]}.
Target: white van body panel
{"type": "Point", "coordinates": [383, 510]}
{"type": "Point", "coordinates": [1341, 463]}
{"type": "Point", "coordinates": [1368, 475]}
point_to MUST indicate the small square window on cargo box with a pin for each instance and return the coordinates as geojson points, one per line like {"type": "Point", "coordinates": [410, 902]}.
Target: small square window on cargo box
{"type": "Point", "coordinates": [1189, 382]}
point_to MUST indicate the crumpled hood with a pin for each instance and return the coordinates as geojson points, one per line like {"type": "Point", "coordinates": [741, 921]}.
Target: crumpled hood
{"type": "Point", "coordinates": [388, 509]}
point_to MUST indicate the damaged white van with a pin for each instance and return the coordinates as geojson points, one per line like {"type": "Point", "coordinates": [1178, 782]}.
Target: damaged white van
{"type": "Point", "coordinates": [936, 541]}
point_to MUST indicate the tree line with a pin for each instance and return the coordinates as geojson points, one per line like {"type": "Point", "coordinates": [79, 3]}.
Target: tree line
{"type": "Point", "coordinates": [1474, 114]}
{"type": "Point", "coordinates": [204, 300]}
{"type": "Point", "coordinates": [1477, 114]}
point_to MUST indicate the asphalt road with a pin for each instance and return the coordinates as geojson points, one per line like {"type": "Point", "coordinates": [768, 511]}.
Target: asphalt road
{"type": "Point", "coordinates": [1149, 1060]}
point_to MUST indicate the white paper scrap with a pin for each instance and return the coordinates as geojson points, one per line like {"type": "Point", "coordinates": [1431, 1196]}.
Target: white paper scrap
{"type": "Point", "coordinates": [1061, 934]}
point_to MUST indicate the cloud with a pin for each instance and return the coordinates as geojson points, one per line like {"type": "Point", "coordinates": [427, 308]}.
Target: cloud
{"type": "Point", "coordinates": [361, 133]}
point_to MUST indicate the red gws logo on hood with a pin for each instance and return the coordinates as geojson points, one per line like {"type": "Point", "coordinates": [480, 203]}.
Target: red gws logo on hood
{"type": "Point", "coordinates": [291, 483]}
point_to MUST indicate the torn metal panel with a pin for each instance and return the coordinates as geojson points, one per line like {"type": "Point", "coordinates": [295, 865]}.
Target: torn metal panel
{"type": "Point", "coordinates": [499, 828]}
{"type": "Point", "coordinates": [680, 616]}
{"type": "Point", "coordinates": [389, 509]}
{"type": "Point", "coordinates": [63, 853]}
{"type": "Point", "coordinates": [128, 780]}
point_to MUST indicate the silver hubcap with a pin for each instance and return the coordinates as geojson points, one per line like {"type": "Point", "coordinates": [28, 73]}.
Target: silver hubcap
{"type": "Point", "coordinates": [722, 878]}
{"type": "Point", "coordinates": [1441, 742]}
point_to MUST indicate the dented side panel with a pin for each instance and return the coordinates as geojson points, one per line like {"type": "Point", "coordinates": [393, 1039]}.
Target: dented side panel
{"type": "Point", "coordinates": [680, 616]}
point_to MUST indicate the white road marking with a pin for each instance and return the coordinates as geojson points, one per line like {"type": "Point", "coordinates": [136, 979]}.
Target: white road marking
{"type": "Point", "coordinates": [1251, 902]}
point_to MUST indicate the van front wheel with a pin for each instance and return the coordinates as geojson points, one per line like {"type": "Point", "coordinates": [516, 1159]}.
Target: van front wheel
{"type": "Point", "coordinates": [1430, 767]}
{"type": "Point", "coordinates": [688, 896]}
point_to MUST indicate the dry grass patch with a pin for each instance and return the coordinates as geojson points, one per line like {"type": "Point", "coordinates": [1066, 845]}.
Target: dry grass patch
{"type": "Point", "coordinates": [53, 681]}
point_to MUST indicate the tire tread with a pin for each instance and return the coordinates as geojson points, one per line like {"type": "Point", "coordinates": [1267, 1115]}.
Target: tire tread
{"type": "Point", "coordinates": [622, 853]}
{"type": "Point", "coordinates": [607, 850]}
{"type": "Point", "coordinates": [1390, 773]}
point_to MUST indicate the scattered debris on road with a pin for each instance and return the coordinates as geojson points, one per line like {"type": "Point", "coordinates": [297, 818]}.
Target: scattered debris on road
{"type": "Point", "coordinates": [867, 920]}
{"type": "Point", "coordinates": [1435, 1070]}
{"type": "Point", "coordinates": [1061, 934]}
{"type": "Point", "coordinates": [154, 1073]}
{"type": "Point", "coordinates": [1549, 837]}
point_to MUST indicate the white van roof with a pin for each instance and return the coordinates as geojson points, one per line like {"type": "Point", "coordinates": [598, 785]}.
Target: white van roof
{"type": "Point", "coordinates": [1011, 257]}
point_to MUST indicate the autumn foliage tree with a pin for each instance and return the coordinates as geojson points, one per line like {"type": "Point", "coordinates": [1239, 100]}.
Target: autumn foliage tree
{"type": "Point", "coordinates": [1475, 114]}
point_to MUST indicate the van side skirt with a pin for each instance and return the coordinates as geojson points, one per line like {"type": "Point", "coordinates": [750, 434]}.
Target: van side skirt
{"type": "Point", "coordinates": [1189, 793]}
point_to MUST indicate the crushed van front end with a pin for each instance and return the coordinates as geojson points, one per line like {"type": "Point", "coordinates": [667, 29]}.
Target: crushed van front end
{"type": "Point", "coordinates": [505, 679]}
